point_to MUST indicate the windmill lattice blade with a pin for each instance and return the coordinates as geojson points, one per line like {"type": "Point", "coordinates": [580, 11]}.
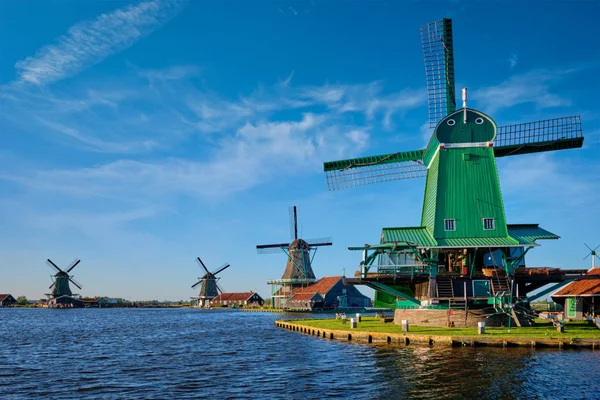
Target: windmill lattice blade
{"type": "Point", "coordinates": [534, 137]}
{"type": "Point", "coordinates": [365, 175]}
{"type": "Point", "coordinates": [271, 250]}
{"type": "Point", "coordinates": [197, 283]}
{"type": "Point", "coordinates": [219, 288]}
{"type": "Point", "coordinates": [50, 263]}
{"type": "Point", "coordinates": [272, 246]}
{"type": "Point", "coordinates": [587, 256]}
{"type": "Point", "coordinates": [438, 51]}
{"type": "Point", "coordinates": [203, 266]}
{"type": "Point", "coordinates": [51, 286]}
{"type": "Point", "coordinates": [293, 223]}
{"type": "Point", "coordinates": [73, 266]}
{"type": "Point", "coordinates": [596, 248]}
{"type": "Point", "coordinates": [320, 242]}
{"type": "Point", "coordinates": [74, 282]}
{"type": "Point", "coordinates": [222, 268]}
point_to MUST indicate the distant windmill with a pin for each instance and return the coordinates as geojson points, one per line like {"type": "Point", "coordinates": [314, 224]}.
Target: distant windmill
{"type": "Point", "coordinates": [61, 296]}
{"type": "Point", "coordinates": [298, 270]}
{"type": "Point", "coordinates": [592, 253]}
{"type": "Point", "coordinates": [209, 288]}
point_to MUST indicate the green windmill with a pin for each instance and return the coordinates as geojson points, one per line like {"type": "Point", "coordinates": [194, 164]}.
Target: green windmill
{"type": "Point", "coordinates": [464, 254]}
{"type": "Point", "coordinates": [61, 296]}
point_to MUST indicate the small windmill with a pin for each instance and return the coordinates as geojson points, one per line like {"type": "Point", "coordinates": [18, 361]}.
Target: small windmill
{"type": "Point", "coordinates": [61, 295]}
{"type": "Point", "coordinates": [209, 288]}
{"type": "Point", "coordinates": [592, 253]}
{"type": "Point", "coordinates": [300, 254]}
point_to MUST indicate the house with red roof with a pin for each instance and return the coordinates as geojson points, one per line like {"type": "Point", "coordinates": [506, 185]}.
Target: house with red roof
{"type": "Point", "coordinates": [7, 300]}
{"type": "Point", "coordinates": [243, 299]}
{"type": "Point", "coordinates": [327, 293]}
{"type": "Point", "coordinates": [580, 299]}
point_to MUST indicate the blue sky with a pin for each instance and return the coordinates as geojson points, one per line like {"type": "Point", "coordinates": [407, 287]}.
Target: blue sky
{"type": "Point", "coordinates": [139, 135]}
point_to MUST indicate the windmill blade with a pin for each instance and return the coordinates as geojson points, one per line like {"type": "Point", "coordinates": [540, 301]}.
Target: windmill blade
{"type": "Point", "coordinates": [73, 266]}
{"type": "Point", "coordinates": [272, 246]}
{"type": "Point", "coordinates": [362, 171]}
{"type": "Point", "coordinates": [221, 268]}
{"type": "Point", "coordinates": [197, 283]}
{"type": "Point", "coordinates": [320, 242]}
{"type": "Point", "coordinates": [74, 282]}
{"type": "Point", "coordinates": [293, 223]}
{"type": "Point", "coordinates": [51, 286]}
{"type": "Point", "coordinates": [50, 263]}
{"type": "Point", "coordinates": [535, 137]}
{"type": "Point", "coordinates": [272, 250]}
{"type": "Point", "coordinates": [438, 50]}
{"type": "Point", "coordinates": [219, 288]}
{"type": "Point", "coordinates": [203, 266]}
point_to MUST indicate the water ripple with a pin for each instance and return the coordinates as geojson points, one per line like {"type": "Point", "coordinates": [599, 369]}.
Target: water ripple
{"type": "Point", "coordinates": [185, 353]}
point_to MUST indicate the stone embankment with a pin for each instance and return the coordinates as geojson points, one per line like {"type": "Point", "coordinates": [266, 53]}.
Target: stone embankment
{"type": "Point", "coordinates": [433, 340]}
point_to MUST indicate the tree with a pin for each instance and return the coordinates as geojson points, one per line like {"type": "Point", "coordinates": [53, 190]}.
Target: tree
{"type": "Point", "coordinates": [22, 300]}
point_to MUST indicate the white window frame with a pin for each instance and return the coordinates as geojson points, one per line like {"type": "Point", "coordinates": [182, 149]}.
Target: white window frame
{"type": "Point", "coordinates": [446, 221]}
{"type": "Point", "coordinates": [493, 220]}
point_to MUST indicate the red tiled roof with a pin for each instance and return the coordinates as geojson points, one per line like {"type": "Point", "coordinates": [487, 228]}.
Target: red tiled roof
{"type": "Point", "coordinates": [233, 296]}
{"type": "Point", "coordinates": [322, 286]}
{"type": "Point", "coordinates": [304, 296]}
{"type": "Point", "coordinates": [583, 287]}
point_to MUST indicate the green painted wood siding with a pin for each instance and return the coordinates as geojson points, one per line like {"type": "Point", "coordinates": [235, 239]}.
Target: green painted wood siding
{"type": "Point", "coordinates": [463, 184]}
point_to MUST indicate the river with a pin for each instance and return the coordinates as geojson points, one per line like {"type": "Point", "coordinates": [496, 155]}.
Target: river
{"type": "Point", "coordinates": [228, 354]}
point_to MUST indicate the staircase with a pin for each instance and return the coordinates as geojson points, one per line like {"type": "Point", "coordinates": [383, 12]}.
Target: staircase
{"type": "Point", "coordinates": [500, 284]}
{"type": "Point", "coordinates": [445, 288]}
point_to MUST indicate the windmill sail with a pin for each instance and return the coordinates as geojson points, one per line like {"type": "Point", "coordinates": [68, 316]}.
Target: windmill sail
{"type": "Point", "coordinates": [438, 51]}
{"type": "Point", "coordinates": [345, 174]}
{"type": "Point", "coordinates": [534, 137]}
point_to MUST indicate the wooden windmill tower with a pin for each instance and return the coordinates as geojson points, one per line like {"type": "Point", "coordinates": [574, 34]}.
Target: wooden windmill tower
{"type": "Point", "coordinates": [463, 233]}
{"type": "Point", "coordinates": [298, 269]}
{"type": "Point", "coordinates": [209, 288]}
{"type": "Point", "coordinates": [61, 296]}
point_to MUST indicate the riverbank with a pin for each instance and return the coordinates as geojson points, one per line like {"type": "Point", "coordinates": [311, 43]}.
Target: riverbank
{"type": "Point", "coordinates": [372, 330]}
{"type": "Point", "coordinates": [271, 310]}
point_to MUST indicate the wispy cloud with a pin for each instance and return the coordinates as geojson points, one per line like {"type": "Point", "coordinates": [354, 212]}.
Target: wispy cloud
{"type": "Point", "coordinates": [513, 60]}
{"type": "Point", "coordinates": [255, 154]}
{"type": "Point", "coordinates": [533, 87]}
{"type": "Point", "coordinates": [548, 177]}
{"type": "Point", "coordinates": [88, 43]}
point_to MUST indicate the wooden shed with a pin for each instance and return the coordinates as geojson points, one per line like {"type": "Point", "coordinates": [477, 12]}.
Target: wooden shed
{"type": "Point", "coordinates": [580, 299]}
{"type": "Point", "coordinates": [243, 299]}
{"type": "Point", "coordinates": [7, 300]}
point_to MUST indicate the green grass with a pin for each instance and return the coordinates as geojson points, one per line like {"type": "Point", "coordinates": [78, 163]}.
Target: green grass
{"type": "Point", "coordinates": [573, 330]}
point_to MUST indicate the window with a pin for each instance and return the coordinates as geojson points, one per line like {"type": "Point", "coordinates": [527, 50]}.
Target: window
{"type": "Point", "coordinates": [449, 225]}
{"type": "Point", "coordinates": [488, 224]}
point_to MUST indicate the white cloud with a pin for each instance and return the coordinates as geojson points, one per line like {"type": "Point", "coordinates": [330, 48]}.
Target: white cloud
{"type": "Point", "coordinates": [256, 153]}
{"type": "Point", "coordinates": [548, 177]}
{"type": "Point", "coordinates": [533, 87]}
{"type": "Point", "coordinates": [88, 43]}
{"type": "Point", "coordinates": [513, 60]}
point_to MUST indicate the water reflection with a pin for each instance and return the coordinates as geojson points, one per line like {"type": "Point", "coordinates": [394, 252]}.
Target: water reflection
{"type": "Point", "coordinates": [90, 354]}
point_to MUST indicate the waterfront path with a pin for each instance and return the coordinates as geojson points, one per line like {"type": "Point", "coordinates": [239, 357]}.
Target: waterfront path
{"type": "Point", "coordinates": [371, 330]}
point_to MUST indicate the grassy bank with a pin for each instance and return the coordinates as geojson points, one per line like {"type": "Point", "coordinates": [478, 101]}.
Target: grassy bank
{"type": "Point", "coordinates": [573, 330]}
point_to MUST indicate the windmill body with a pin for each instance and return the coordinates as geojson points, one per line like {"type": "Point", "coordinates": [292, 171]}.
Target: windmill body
{"type": "Point", "coordinates": [298, 270]}
{"type": "Point", "coordinates": [209, 288]}
{"type": "Point", "coordinates": [61, 295]}
{"type": "Point", "coordinates": [464, 255]}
